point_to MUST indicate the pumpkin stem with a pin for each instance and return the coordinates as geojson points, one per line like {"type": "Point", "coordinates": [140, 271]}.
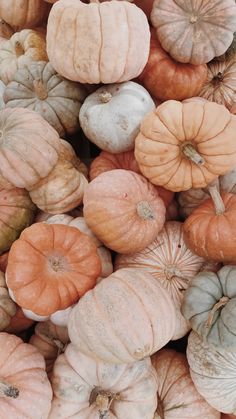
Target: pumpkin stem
{"type": "Point", "coordinates": [103, 400]}
{"type": "Point", "coordinates": [171, 271]}
{"type": "Point", "coordinates": [40, 89]}
{"type": "Point", "coordinates": [105, 97]}
{"type": "Point", "coordinates": [19, 50]}
{"type": "Point", "coordinates": [7, 390]}
{"type": "Point", "coordinates": [218, 78]}
{"type": "Point", "coordinates": [144, 210]}
{"type": "Point", "coordinates": [193, 19]}
{"type": "Point", "coordinates": [190, 152]}
{"type": "Point", "coordinates": [221, 303]}
{"type": "Point", "coordinates": [218, 201]}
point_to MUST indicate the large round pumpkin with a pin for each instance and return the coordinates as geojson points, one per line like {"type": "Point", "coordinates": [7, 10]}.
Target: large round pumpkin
{"type": "Point", "coordinates": [62, 262]}
{"type": "Point", "coordinates": [123, 210]}
{"type": "Point", "coordinates": [194, 32]}
{"type": "Point", "coordinates": [102, 43]}
{"type": "Point", "coordinates": [185, 145]}
{"type": "Point", "coordinates": [126, 317]}
{"type": "Point", "coordinates": [23, 13]}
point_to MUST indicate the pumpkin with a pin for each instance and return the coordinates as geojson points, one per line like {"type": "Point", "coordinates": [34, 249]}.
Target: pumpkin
{"type": "Point", "coordinates": [63, 189]}
{"type": "Point", "coordinates": [63, 262]}
{"type": "Point", "coordinates": [25, 391]}
{"type": "Point", "coordinates": [7, 306]}
{"type": "Point", "coordinates": [50, 340]}
{"type": "Point", "coordinates": [166, 79]}
{"type": "Point", "coordinates": [39, 87]}
{"type": "Point", "coordinates": [98, 323]}
{"type": "Point", "coordinates": [19, 51]}
{"type": "Point", "coordinates": [29, 147]}
{"type": "Point", "coordinates": [210, 231]}
{"type": "Point", "coordinates": [130, 213]}
{"type": "Point", "coordinates": [2, 88]}
{"type": "Point", "coordinates": [202, 30]}
{"type": "Point", "coordinates": [171, 263]}
{"type": "Point", "coordinates": [185, 145]}
{"type": "Point", "coordinates": [113, 48]}
{"type": "Point", "coordinates": [176, 394]}
{"type": "Point", "coordinates": [23, 13]}
{"type": "Point", "coordinates": [213, 372]}
{"type": "Point", "coordinates": [111, 116]}
{"type": "Point", "coordinates": [84, 387]}
{"type": "Point", "coordinates": [19, 322]}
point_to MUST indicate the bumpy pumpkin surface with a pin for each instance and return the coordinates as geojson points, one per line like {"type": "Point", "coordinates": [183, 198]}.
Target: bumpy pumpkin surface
{"type": "Point", "coordinates": [25, 391]}
{"type": "Point", "coordinates": [114, 48]}
{"type": "Point", "coordinates": [186, 145]}
{"type": "Point", "coordinates": [98, 323]}
{"type": "Point", "coordinates": [23, 13]}
{"type": "Point", "coordinates": [85, 388]}
{"type": "Point", "coordinates": [62, 261]}
{"type": "Point", "coordinates": [7, 306]}
{"type": "Point", "coordinates": [202, 29]}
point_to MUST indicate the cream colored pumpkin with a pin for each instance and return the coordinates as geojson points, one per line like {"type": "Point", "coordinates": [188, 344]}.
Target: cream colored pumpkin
{"type": "Point", "coordinates": [40, 88]}
{"type": "Point", "coordinates": [20, 50]}
{"type": "Point", "coordinates": [23, 13]}
{"type": "Point", "coordinates": [111, 116]}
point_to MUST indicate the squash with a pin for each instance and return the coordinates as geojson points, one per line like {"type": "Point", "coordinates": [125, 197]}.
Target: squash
{"type": "Point", "coordinates": [202, 30]}
{"type": "Point", "coordinates": [23, 13]}
{"type": "Point", "coordinates": [25, 391]}
{"type": "Point", "coordinates": [113, 48]}
{"type": "Point", "coordinates": [38, 86]}
{"type": "Point", "coordinates": [84, 387]}
{"type": "Point", "coordinates": [185, 145]}
{"type": "Point", "coordinates": [130, 213]}
{"type": "Point", "coordinates": [63, 262]}
{"type": "Point", "coordinates": [166, 79]}
{"type": "Point", "coordinates": [111, 116]}
{"type": "Point", "coordinates": [20, 50]}
{"type": "Point", "coordinates": [98, 323]}
{"type": "Point", "coordinates": [176, 394]}
{"type": "Point", "coordinates": [7, 306]}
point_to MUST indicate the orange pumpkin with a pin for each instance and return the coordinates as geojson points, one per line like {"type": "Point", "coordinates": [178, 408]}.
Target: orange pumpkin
{"type": "Point", "coordinates": [130, 213]}
{"type": "Point", "coordinates": [62, 261]}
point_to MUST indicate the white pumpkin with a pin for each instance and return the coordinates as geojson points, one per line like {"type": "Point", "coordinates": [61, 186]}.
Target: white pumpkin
{"type": "Point", "coordinates": [2, 88]}
{"type": "Point", "coordinates": [111, 116]}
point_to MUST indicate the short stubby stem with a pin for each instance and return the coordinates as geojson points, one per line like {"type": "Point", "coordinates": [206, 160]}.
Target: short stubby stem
{"type": "Point", "coordinates": [103, 400]}
{"type": "Point", "coordinates": [172, 271]}
{"type": "Point", "coordinates": [191, 153]}
{"type": "Point", "coordinates": [145, 211]}
{"type": "Point", "coordinates": [216, 197]}
{"type": "Point", "coordinates": [105, 97]}
{"type": "Point", "coordinates": [7, 390]}
{"type": "Point", "coordinates": [221, 303]}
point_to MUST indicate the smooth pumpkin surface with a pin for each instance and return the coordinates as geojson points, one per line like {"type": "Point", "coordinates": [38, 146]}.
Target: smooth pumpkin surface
{"type": "Point", "coordinates": [23, 13]}
{"type": "Point", "coordinates": [202, 30]}
{"type": "Point", "coordinates": [25, 391]}
{"type": "Point", "coordinates": [130, 213]}
{"type": "Point", "coordinates": [57, 257]}
{"type": "Point", "coordinates": [186, 145]}
{"type": "Point", "coordinates": [7, 306]}
{"type": "Point", "coordinates": [113, 48]}
{"type": "Point", "coordinates": [98, 323]}
{"type": "Point", "coordinates": [85, 388]}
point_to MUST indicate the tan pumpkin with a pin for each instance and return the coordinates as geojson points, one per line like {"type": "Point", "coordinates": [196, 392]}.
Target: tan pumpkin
{"type": "Point", "coordinates": [98, 323]}
{"type": "Point", "coordinates": [39, 87]}
{"type": "Point", "coordinates": [114, 48]}
{"type": "Point", "coordinates": [176, 394]}
{"type": "Point", "coordinates": [7, 306]}
{"type": "Point", "coordinates": [20, 50]}
{"type": "Point", "coordinates": [23, 13]}
{"type": "Point", "coordinates": [63, 189]}
{"type": "Point", "coordinates": [194, 32]}
{"type": "Point", "coordinates": [186, 145]}
{"type": "Point", "coordinates": [130, 213]}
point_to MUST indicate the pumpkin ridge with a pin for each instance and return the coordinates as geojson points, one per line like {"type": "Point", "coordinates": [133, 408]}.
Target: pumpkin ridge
{"type": "Point", "coordinates": [127, 52]}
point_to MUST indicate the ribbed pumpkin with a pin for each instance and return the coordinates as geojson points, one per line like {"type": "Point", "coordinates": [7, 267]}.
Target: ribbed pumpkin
{"type": "Point", "coordinates": [7, 306]}
{"type": "Point", "coordinates": [186, 145]}
{"type": "Point", "coordinates": [25, 391]}
{"type": "Point", "coordinates": [23, 13]}
{"type": "Point", "coordinates": [62, 261]}
{"type": "Point", "coordinates": [98, 322]}
{"type": "Point", "coordinates": [130, 213]}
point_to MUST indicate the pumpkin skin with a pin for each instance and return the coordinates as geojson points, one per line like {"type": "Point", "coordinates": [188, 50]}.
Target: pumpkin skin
{"type": "Point", "coordinates": [23, 13]}
{"type": "Point", "coordinates": [85, 388]}
{"type": "Point", "coordinates": [101, 333]}
{"type": "Point", "coordinates": [40, 88]}
{"type": "Point", "coordinates": [179, 155]}
{"type": "Point", "coordinates": [20, 50]}
{"type": "Point", "coordinates": [176, 393]}
{"type": "Point", "coordinates": [2, 88]}
{"type": "Point", "coordinates": [167, 79]}
{"type": "Point", "coordinates": [212, 370]}
{"type": "Point", "coordinates": [60, 271]}
{"type": "Point", "coordinates": [7, 306]}
{"type": "Point", "coordinates": [129, 216]}
{"type": "Point", "coordinates": [203, 30]}
{"type": "Point", "coordinates": [19, 322]}
{"type": "Point", "coordinates": [100, 54]}
{"type": "Point", "coordinates": [120, 109]}
{"type": "Point", "coordinates": [18, 166]}
{"type": "Point", "coordinates": [27, 390]}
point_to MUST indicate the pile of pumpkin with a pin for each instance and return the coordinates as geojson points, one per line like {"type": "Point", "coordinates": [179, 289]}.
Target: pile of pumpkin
{"type": "Point", "coordinates": [106, 261]}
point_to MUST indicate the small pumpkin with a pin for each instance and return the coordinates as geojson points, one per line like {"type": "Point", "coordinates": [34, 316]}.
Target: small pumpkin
{"type": "Point", "coordinates": [7, 306]}
{"type": "Point", "coordinates": [23, 13]}
{"type": "Point", "coordinates": [98, 323]}
{"type": "Point", "coordinates": [114, 48]}
{"type": "Point", "coordinates": [185, 145]}
{"type": "Point", "coordinates": [39, 87]}
{"type": "Point", "coordinates": [130, 213]}
{"type": "Point", "coordinates": [202, 30]}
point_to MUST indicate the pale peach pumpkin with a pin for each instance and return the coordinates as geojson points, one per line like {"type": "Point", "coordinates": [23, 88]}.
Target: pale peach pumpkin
{"type": "Point", "coordinates": [23, 13]}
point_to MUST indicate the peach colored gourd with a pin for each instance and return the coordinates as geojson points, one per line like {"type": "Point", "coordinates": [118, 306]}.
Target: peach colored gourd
{"type": "Point", "coordinates": [113, 48]}
{"type": "Point", "coordinates": [23, 13]}
{"type": "Point", "coordinates": [130, 213]}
